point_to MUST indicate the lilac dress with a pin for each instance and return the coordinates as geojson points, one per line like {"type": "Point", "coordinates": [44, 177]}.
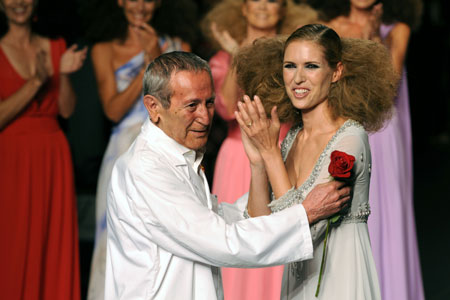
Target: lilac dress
{"type": "Point", "coordinates": [391, 225]}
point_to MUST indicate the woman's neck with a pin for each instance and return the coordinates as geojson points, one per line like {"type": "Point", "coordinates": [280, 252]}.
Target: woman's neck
{"type": "Point", "coordinates": [319, 120]}
{"type": "Point", "coordinates": [256, 33]}
{"type": "Point", "coordinates": [359, 16]}
{"type": "Point", "coordinates": [18, 35]}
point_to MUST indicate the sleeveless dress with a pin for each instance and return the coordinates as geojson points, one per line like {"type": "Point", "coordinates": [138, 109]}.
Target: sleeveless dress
{"type": "Point", "coordinates": [232, 180]}
{"type": "Point", "coordinates": [392, 225]}
{"type": "Point", "coordinates": [122, 136]}
{"type": "Point", "coordinates": [38, 213]}
{"type": "Point", "coordinates": [349, 270]}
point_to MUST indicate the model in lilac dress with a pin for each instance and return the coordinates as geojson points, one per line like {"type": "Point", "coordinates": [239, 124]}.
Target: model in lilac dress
{"type": "Point", "coordinates": [391, 225]}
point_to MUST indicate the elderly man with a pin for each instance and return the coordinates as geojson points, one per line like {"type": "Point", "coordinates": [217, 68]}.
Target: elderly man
{"type": "Point", "coordinates": [166, 235]}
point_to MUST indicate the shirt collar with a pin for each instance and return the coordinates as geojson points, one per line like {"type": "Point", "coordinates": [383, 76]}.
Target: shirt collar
{"type": "Point", "coordinates": [181, 154]}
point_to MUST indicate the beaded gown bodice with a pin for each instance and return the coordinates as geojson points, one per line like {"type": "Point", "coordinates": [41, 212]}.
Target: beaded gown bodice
{"type": "Point", "coordinates": [349, 137]}
{"type": "Point", "coordinates": [349, 271]}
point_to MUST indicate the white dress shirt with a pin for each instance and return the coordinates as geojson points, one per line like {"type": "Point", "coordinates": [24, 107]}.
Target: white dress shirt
{"type": "Point", "coordinates": [165, 237]}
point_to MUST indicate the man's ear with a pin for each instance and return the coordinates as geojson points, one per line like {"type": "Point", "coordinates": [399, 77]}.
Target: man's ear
{"type": "Point", "coordinates": [337, 74]}
{"type": "Point", "coordinates": [153, 107]}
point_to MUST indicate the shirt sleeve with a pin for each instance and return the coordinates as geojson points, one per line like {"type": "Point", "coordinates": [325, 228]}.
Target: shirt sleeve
{"type": "Point", "coordinates": [152, 200]}
{"type": "Point", "coordinates": [234, 212]}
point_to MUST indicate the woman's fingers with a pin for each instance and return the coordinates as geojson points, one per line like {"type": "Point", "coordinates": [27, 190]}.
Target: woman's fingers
{"type": "Point", "coordinates": [244, 113]}
{"type": "Point", "coordinates": [274, 116]}
{"type": "Point", "coordinates": [260, 108]}
{"type": "Point", "coordinates": [224, 38]}
{"type": "Point", "coordinates": [241, 121]}
{"type": "Point", "coordinates": [147, 28]}
{"type": "Point", "coordinates": [252, 110]}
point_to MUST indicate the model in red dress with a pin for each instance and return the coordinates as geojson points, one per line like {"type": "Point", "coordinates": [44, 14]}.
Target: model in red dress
{"type": "Point", "coordinates": [38, 220]}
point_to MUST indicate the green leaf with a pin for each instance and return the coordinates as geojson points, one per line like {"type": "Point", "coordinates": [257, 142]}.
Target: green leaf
{"type": "Point", "coordinates": [335, 218]}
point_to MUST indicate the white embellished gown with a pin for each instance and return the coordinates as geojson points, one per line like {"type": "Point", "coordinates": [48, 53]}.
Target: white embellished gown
{"type": "Point", "coordinates": [349, 270]}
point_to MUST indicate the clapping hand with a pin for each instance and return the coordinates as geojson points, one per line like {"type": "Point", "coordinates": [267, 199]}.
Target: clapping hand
{"type": "Point", "coordinates": [41, 72]}
{"type": "Point", "coordinates": [261, 131]}
{"type": "Point", "coordinates": [225, 40]}
{"type": "Point", "coordinates": [372, 30]}
{"type": "Point", "coordinates": [149, 41]}
{"type": "Point", "coordinates": [72, 59]}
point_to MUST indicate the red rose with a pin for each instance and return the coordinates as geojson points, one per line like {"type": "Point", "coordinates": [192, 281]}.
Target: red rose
{"type": "Point", "coordinates": [341, 164]}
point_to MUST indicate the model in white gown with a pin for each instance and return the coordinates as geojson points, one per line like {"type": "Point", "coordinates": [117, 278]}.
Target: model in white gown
{"type": "Point", "coordinates": [349, 270]}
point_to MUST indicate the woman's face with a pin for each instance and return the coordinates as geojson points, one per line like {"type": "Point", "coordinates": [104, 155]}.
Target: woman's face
{"type": "Point", "coordinates": [138, 11]}
{"type": "Point", "coordinates": [307, 75]}
{"type": "Point", "coordinates": [18, 11]}
{"type": "Point", "coordinates": [362, 4]}
{"type": "Point", "coordinates": [263, 14]}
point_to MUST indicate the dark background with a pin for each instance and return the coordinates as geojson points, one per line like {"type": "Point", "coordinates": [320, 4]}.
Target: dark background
{"type": "Point", "coordinates": [428, 67]}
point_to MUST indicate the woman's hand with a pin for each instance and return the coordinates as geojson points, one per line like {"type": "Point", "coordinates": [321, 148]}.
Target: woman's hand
{"type": "Point", "coordinates": [372, 30]}
{"type": "Point", "coordinates": [225, 40]}
{"type": "Point", "coordinates": [148, 39]}
{"type": "Point", "coordinates": [72, 60]}
{"type": "Point", "coordinates": [41, 72]}
{"type": "Point", "coordinates": [262, 132]}
{"type": "Point", "coordinates": [252, 152]}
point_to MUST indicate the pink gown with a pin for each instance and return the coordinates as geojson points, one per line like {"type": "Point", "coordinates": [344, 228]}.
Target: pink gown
{"type": "Point", "coordinates": [232, 180]}
{"type": "Point", "coordinates": [391, 224]}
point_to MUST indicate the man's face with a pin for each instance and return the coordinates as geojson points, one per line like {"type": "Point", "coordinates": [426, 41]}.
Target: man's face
{"type": "Point", "coordinates": [189, 117]}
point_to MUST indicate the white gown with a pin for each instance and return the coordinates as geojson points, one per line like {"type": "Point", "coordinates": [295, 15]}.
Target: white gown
{"type": "Point", "coordinates": [349, 270]}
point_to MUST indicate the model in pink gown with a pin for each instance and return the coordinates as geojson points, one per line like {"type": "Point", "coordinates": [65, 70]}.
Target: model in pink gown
{"type": "Point", "coordinates": [391, 224]}
{"type": "Point", "coordinates": [232, 180]}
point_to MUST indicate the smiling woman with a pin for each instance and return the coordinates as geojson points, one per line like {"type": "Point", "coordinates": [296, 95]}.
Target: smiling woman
{"type": "Point", "coordinates": [230, 25]}
{"type": "Point", "coordinates": [38, 222]}
{"type": "Point", "coordinates": [307, 75]}
{"type": "Point", "coordinates": [317, 84]}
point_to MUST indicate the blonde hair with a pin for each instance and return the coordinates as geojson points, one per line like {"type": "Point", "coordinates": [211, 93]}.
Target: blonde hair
{"type": "Point", "coordinates": [228, 16]}
{"type": "Point", "coordinates": [365, 91]}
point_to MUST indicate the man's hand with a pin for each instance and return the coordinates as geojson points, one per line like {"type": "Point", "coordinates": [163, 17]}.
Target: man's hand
{"type": "Point", "coordinates": [325, 200]}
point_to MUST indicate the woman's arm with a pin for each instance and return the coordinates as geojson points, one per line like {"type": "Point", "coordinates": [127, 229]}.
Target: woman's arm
{"type": "Point", "coordinates": [71, 61]}
{"type": "Point", "coordinates": [397, 42]}
{"type": "Point", "coordinates": [258, 197]}
{"type": "Point", "coordinates": [115, 104]}
{"type": "Point", "coordinates": [263, 134]}
{"type": "Point", "coordinates": [14, 104]}
{"type": "Point", "coordinates": [229, 90]}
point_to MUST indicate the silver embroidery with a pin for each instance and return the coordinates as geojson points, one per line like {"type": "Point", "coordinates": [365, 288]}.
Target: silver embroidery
{"type": "Point", "coordinates": [295, 196]}
{"type": "Point", "coordinates": [359, 216]}
{"type": "Point", "coordinates": [246, 215]}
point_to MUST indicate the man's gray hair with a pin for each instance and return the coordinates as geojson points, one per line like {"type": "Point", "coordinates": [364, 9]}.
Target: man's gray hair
{"type": "Point", "coordinates": [159, 72]}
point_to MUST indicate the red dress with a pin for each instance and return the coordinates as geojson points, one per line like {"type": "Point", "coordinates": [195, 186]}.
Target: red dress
{"type": "Point", "coordinates": [38, 219]}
